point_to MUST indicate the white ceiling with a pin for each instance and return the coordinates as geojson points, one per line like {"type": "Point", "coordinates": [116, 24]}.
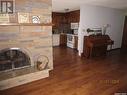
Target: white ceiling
{"type": "Point", "coordinates": [61, 5]}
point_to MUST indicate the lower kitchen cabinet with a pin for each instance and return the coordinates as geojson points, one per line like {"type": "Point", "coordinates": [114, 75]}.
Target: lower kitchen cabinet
{"type": "Point", "coordinates": [63, 40]}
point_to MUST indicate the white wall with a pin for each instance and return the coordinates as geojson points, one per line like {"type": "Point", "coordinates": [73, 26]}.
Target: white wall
{"type": "Point", "coordinates": [97, 17]}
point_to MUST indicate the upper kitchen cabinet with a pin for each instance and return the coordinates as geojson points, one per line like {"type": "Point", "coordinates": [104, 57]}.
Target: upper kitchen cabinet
{"type": "Point", "coordinates": [58, 19]}
{"type": "Point", "coordinates": [65, 18]}
{"type": "Point", "coordinates": [62, 21]}
{"type": "Point", "coordinates": [73, 17]}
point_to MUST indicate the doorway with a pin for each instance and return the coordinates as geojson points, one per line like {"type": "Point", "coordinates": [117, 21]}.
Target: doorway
{"type": "Point", "coordinates": [124, 42]}
{"type": "Point", "coordinates": [64, 35]}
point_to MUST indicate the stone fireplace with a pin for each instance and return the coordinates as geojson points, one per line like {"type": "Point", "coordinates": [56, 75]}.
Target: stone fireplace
{"type": "Point", "coordinates": [19, 52]}
{"type": "Point", "coordinates": [24, 45]}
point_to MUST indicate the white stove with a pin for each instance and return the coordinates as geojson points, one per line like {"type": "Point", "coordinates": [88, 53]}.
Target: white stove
{"type": "Point", "coordinates": [71, 40]}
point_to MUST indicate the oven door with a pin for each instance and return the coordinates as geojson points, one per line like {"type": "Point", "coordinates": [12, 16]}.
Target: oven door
{"type": "Point", "coordinates": [70, 41]}
{"type": "Point", "coordinates": [70, 38]}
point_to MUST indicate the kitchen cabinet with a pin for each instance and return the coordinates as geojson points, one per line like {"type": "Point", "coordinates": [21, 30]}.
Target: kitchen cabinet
{"type": "Point", "coordinates": [63, 40]}
{"type": "Point", "coordinates": [56, 39]}
{"type": "Point", "coordinates": [61, 21]}
{"type": "Point", "coordinates": [76, 42]}
{"type": "Point", "coordinates": [58, 19]}
{"type": "Point", "coordinates": [73, 17]}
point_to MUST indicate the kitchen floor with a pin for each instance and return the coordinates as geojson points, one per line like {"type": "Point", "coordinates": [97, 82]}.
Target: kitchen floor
{"type": "Point", "coordinates": [73, 75]}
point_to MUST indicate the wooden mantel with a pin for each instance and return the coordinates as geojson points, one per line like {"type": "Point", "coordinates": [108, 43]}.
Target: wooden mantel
{"type": "Point", "coordinates": [26, 24]}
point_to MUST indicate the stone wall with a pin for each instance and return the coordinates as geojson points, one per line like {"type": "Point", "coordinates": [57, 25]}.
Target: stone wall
{"type": "Point", "coordinates": [34, 39]}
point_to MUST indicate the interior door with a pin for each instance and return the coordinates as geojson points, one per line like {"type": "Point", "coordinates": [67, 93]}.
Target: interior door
{"type": "Point", "coordinates": [124, 43]}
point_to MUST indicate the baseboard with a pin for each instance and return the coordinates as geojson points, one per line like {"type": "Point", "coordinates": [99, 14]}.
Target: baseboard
{"type": "Point", "coordinates": [114, 49]}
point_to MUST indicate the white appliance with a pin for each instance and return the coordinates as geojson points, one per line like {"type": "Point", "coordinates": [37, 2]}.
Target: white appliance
{"type": "Point", "coordinates": [74, 28]}
{"type": "Point", "coordinates": [71, 37]}
{"type": "Point", "coordinates": [71, 40]}
{"type": "Point", "coordinates": [74, 25]}
{"type": "Point", "coordinates": [76, 32]}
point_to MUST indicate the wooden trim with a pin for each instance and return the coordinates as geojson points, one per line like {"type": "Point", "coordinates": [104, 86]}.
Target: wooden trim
{"type": "Point", "coordinates": [124, 38]}
{"type": "Point", "coordinates": [113, 49]}
{"type": "Point", "coordinates": [26, 24]}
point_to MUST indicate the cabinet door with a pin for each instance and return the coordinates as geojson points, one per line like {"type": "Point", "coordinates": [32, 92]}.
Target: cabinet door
{"type": "Point", "coordinates": [76, 42]}
{"type": "Point", "coordinates": [63, 39]}
{"type": "Point", "coordinates": [57, 19]}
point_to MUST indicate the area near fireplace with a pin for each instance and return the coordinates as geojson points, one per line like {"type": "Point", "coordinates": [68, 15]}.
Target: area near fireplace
{"type": "Point", "coordinates": [25, 45]}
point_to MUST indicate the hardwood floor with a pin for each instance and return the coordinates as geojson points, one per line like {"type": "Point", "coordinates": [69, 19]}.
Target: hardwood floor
{"type": "Point", "coordinates": [73, 75]}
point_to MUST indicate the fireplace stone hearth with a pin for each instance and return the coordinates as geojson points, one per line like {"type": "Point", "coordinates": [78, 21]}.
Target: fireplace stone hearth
{"type": "Point", "coordinates": [21, 76]}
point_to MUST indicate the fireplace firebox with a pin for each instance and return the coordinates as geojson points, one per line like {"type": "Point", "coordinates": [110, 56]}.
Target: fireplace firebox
{"type": "Point", "coordinates": [13, 58]}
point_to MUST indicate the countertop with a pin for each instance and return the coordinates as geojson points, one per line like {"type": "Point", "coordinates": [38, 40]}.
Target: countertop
{"type": "Point", "coordinates": [66, 34]}
{"type": "Point", "coordinates": [72, 34]}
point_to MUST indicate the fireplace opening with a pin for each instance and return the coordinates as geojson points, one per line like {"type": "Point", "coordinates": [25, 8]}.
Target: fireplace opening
{"type": "Point", "coordinates": [13, 58]}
